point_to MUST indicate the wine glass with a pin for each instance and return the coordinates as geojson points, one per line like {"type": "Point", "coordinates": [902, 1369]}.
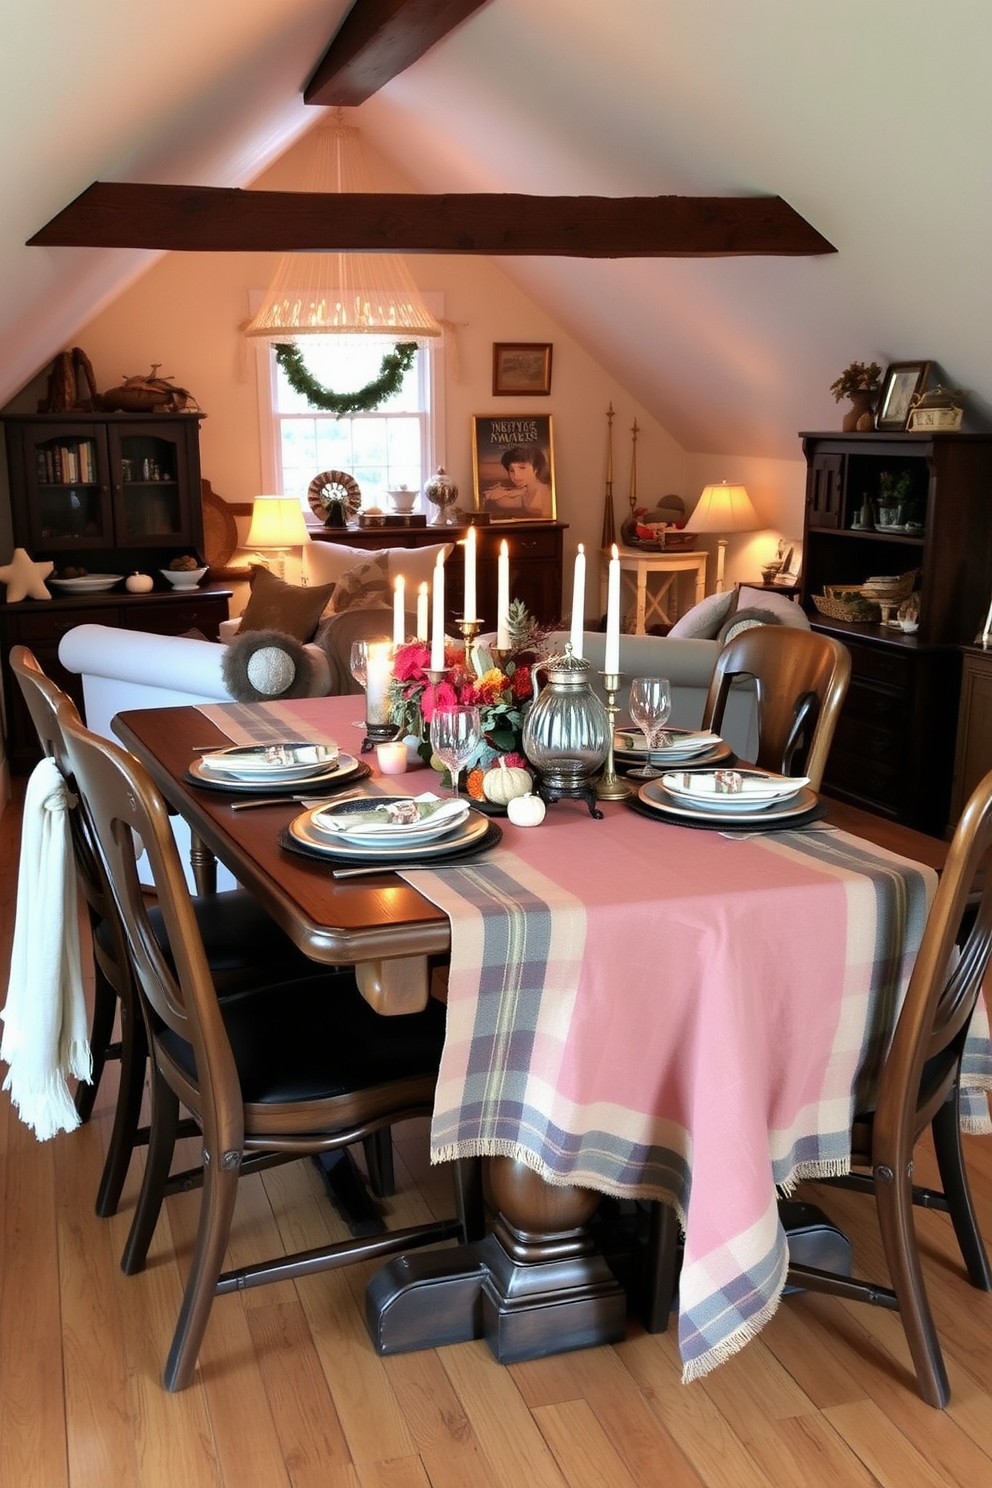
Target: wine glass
{"type": "Point", "coordinates": [358, 661]}
{"type": "Point", "coordinates": [650, 705]}
{"type": "Point", "coordinates": [456, 733]}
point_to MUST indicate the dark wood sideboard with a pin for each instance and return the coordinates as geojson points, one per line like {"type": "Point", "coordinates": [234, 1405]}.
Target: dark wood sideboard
{"type": "Point", "coordinates": [41, 624]}
{"type": "Point", "coordinates": [894, 750]}
{"type": "Point", "coordinates": [974, 752]}
{"type": "Point", "coordinates": [534, 550]}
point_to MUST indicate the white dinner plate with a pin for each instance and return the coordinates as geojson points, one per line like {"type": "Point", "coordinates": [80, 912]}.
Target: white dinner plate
{"type": "Point", "coordinates": [653, 794]}
{"type": "Point", "coordinates": [366, 822]}
{"type": "Point", "coordinates": [89, 584]}
{"type": "Point", "coordinates": [760, 790]}
{"type": "Point", "coordinates": [345, 765]}
{"type": "Point", "coordinates": [470, 830]}
{"type": "Point", "coordinates": [294, 759]}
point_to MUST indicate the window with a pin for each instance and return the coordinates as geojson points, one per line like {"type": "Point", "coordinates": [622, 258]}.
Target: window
{"type": "Point", "coordinates": [384, 450]}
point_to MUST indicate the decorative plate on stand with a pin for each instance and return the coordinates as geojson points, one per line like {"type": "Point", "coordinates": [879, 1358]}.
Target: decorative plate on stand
{"type": "Point", "coordinates": [334, 488]}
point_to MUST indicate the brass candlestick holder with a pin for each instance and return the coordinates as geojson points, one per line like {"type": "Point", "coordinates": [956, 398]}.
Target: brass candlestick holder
{"type": "Point", "coordinates": [500, 655]}
{"type": "Point", "coordinates": [610, 786]}
{"type": "Point", "coordinates": [469, 629]}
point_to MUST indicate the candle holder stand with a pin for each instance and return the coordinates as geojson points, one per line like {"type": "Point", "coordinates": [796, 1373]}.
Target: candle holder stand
{"type": "Point", "coordinates": [500, 655]}
{"type": "Point", "coordinates": [610, 786]}
{"type": "Point", "coordinates": [469, 629]}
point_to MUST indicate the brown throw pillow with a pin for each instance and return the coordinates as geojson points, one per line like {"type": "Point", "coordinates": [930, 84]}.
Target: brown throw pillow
{"type": "Point", "coordinates": [276, 605]}
{"type": "Point", "coordinates": [364, 587]}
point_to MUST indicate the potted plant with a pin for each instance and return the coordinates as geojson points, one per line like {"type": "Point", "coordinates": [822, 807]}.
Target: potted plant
{"type": "Point", "coordinates": [860, 382]}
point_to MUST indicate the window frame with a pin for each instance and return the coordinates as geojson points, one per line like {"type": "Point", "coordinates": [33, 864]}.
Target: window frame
{"type": "Point", "coordinates": [268, 414]}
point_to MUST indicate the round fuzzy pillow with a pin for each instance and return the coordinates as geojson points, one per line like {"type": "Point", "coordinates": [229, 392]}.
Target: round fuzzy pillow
{"type": "Point", "coordinates": [747, 620]}
{"type": "Point", "coordinates": [263, 665]}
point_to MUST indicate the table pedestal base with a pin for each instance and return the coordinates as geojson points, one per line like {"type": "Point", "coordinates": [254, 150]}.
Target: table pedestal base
{"type": "Point", "coordinates": [529, 1292]}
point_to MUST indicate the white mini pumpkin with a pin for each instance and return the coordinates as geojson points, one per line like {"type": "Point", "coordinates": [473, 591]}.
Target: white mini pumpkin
{"type": "Point", "coordinates": [139, 583]}
{"type": "Point", "coordinates": [526, 811]}
{"type": "Point", "coordinates": [503, 782]}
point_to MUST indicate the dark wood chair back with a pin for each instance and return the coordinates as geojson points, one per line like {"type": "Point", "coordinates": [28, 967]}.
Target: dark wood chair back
{"type": "Point", "coordinates": [47, 704]}
{"type": "Point", "coordinates": [919, 1086]}
{"type": "Point", "coordinates": [281, 1070]}
{"type": "Point", "coordinates": [801, 678]}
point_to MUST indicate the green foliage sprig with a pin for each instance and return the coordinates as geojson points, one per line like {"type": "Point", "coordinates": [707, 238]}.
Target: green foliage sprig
{"type": "Point", "coordinates": [393, 368]}
{"type": "Point", "coordinates": [857, 378]}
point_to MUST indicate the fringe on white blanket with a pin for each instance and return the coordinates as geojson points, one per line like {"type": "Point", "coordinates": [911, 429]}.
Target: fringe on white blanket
{"type": "Point", "coordinates": [45, 1037]}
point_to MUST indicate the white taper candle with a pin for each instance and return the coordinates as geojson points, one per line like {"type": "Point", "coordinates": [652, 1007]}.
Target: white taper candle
{"type": "Point", "coordinates": [612, 658]}
{"type": "Point", "coordinates": [470, 542]}
{"type": "Point", "coordinates": [578, 601]}
{"type": "Point", "coordinates": [503, 597]}
{"type": "Point", "coordinates": [422, 630]}
{"type": "Point", "coordinates": [399, 611]}
{"type": "Point", "coordinates": [437, 632]}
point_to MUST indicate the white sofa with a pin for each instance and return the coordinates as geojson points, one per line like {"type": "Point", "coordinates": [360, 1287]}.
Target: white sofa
{"type": "Point", "coordinates": [126, 669]}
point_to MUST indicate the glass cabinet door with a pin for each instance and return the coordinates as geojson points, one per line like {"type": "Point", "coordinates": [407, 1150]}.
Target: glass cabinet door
{"type": "Point", "coordinates": [151, 493]}
{"type": "Point", "coordinates": [71, 506]}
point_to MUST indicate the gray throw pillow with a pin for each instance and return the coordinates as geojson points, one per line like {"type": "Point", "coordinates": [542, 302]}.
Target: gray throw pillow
{"type": "Point", "coordinates": [260, 666]}
{"type": "Point", "coordinates": [702, 622]}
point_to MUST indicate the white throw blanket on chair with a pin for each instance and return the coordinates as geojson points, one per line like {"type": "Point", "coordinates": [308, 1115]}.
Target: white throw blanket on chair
{"type": "Point", "coordinates": [45, 1039]}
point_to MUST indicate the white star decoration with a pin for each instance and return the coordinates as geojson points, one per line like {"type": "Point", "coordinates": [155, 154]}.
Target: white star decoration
{"type": "Point", "coordinates": [25, 578]}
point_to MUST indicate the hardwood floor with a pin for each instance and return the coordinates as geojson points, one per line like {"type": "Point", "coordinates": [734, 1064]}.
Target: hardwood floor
{"type": "Point", "coordinates": [289, 1393]}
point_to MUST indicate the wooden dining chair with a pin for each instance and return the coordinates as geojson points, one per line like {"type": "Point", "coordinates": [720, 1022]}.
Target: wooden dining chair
{"type": "Point", "coordinates": [242, 943]}
{"type": "Point", "coordinates": [919, 1086]}
{"type": "Point", "coordinates": [801, 677]}
{"type": "Point", "coordinates": [271, 1074]}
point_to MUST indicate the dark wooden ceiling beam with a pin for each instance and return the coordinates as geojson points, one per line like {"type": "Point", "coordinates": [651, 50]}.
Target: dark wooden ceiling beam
{"type": "Point", "coordinates": [377, 40]}
{"type": "Point", "coordinates": [211, 219]}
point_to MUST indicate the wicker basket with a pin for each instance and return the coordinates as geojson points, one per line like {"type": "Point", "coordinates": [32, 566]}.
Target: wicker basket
{"type": "Point", "coordinates": [846, 604]}
{"type": "Point", "coordinates": [890, 590]}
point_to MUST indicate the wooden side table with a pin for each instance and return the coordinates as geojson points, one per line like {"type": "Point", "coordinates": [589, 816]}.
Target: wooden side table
{"type": "Point", "coordinates": [657, 603]}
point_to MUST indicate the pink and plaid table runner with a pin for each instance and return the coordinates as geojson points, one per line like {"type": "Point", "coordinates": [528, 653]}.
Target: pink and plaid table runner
{"type": "Point", "coordinates": [657, 1012]}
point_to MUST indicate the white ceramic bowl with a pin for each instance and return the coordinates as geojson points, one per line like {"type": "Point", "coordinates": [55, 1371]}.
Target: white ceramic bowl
{"type": "Point", "coordinates": [183, 578]}
{"type": "Point", "coordinates": [403, 501]}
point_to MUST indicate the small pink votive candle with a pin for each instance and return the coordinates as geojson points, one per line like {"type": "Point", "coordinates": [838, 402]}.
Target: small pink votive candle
{"type": "Point", "coordinates": [391, 758]}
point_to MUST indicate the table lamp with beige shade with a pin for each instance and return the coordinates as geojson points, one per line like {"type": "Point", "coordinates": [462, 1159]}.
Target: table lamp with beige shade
{"type": "Point", "coordinates": [277, 524]}
{"type": "Point", "coordinates": [721, 509]}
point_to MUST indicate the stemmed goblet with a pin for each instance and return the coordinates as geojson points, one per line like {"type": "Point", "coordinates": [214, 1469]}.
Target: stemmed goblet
{"type": "Point", "coordinates": [456, 733]}
{"type": "Point", "coordinates": [650, 704]}
{"type": "Point", "coordinates": [358, 661]}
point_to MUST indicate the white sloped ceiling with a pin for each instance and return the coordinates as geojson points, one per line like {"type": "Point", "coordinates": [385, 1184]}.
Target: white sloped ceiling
{"type": "Point", "coordinates": [873, 120]}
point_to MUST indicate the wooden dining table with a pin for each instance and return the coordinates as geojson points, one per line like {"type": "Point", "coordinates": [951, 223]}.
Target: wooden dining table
{"type": "Point", "coordinates": [634, 1008]}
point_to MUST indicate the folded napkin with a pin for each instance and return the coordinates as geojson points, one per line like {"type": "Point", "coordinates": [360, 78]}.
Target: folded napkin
{"type": "Point", "coordinates": [271, 759]}
{"type": "Point", "coordinates": [733, 785]}
{"type": "Point", "coordinates": [679, 743]}
{"type": "Point", "coordinates": [416, 814]}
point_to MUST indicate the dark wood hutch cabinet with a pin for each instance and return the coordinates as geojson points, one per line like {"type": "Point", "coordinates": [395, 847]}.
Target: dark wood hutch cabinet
{"type": "Point", "coordinates": [534, 550]}
{"type": "Point", "coordinates": [110, 493]}
{"type": "Point", "coordinates": [894, 749]}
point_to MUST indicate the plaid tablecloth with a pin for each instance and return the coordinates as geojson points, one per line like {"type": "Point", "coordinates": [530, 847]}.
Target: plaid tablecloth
{"type": "Point", "coordinates": [655, 1012]}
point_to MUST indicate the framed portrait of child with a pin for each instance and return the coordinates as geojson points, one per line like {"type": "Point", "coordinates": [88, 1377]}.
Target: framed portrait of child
{"type": "Point", "coordinates": [513, 468]}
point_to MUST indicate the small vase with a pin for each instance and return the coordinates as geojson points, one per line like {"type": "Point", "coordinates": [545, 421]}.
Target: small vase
{"type": "Point", "coordinates": [862, 408]}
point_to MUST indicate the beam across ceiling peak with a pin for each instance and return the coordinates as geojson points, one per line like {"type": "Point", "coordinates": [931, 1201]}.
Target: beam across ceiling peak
{"type": "Point", "coordinates": [212, 219]}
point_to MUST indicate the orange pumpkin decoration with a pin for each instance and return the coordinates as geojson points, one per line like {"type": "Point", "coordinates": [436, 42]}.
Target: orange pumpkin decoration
{"type": "Point", "coordinates": [474, 785]}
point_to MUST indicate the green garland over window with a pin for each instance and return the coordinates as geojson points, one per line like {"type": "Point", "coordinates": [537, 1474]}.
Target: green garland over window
{"type": "Point", "coordinates": [394, 367]}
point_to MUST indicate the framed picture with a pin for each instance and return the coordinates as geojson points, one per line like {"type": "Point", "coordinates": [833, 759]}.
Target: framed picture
{"type": "Point", "coordinates": [901, 382]}
{"type": "Point", "coordinates": [521, 369]}
{"type": "Point", "coordinates": [513, 467]}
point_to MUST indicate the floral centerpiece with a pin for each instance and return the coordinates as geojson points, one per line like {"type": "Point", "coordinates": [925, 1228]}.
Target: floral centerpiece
{"type": "Point", "coordinates": [502, 693]}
